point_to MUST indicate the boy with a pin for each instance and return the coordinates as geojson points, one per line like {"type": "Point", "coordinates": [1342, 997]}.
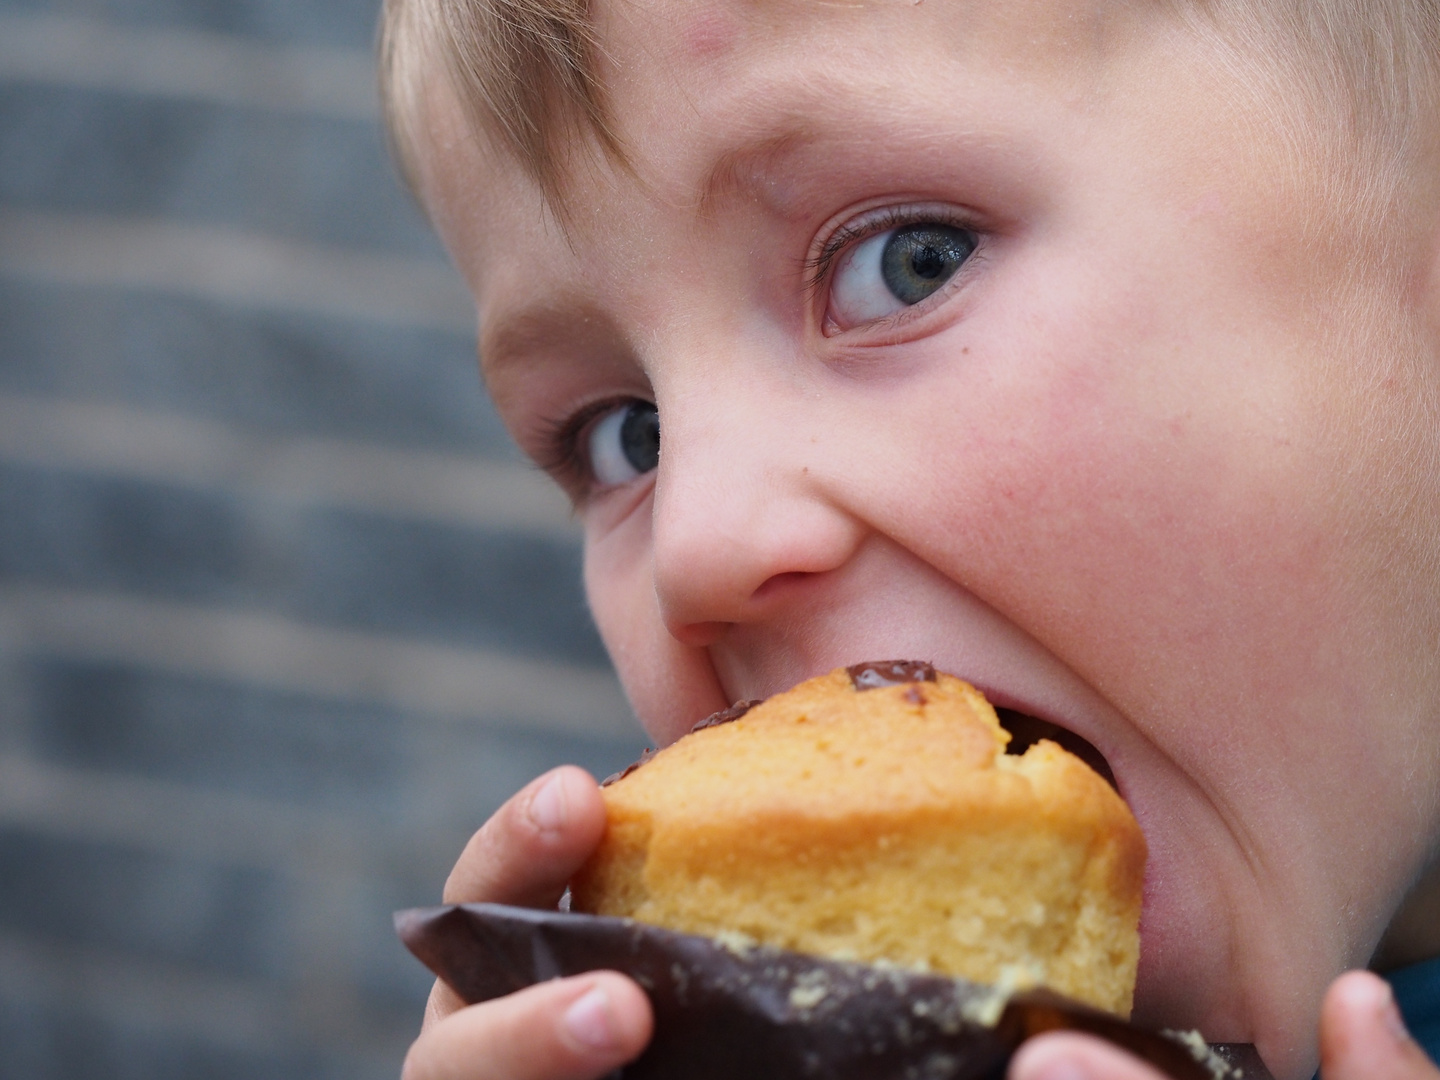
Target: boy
{"type": "Point", "coordinates": [1089, 348]}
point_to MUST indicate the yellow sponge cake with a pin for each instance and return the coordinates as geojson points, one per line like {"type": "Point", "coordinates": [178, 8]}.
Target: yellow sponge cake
{"type": "Point", "coordinates": [873, 814]}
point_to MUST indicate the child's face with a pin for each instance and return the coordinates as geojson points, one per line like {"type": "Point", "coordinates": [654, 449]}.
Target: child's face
{"type": "Point", "coordinates": [1149, 464]}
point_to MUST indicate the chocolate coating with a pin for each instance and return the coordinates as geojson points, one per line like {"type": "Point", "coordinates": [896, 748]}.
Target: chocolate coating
{"type": "Point", "coordinates": [725, 716]}
{"type": "Point", "coordinates": [877, 673]}
{"type": "Point", "coordinates": [648, 753]}
{"type": "Point", "coordinates": [723, 1012]}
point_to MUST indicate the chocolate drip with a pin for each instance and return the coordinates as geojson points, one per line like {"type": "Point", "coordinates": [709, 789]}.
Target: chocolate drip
{"type": "Point", "coordinates": [878, 673]}
{"type": "Point", "coordinates": [1025, 731]}
{"type": "Point", "coordinates": [646, 756]}
{"type": "Point", "coordinates": [724, 716]}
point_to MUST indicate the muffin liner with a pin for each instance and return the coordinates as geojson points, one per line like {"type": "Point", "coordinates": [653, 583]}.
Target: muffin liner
{"type": "Point", "coordinates": [731, 1011]}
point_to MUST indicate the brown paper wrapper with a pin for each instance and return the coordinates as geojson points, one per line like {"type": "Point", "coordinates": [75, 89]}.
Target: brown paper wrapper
{"type": "Point", "coordinates": [737, 1013]}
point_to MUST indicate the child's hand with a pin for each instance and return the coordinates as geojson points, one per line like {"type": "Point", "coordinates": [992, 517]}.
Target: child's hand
{"type": "Point", "coordinates": [569, 1029]}
{"type": "Point", "coordinates": [1361, 1038]}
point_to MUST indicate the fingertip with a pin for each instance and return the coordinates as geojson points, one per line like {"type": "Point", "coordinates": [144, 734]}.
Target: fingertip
{"type": "Point", "coordinates": [1358, 994]}
{"type": "Point", "coordinates": [561, 809]}
{"type": "Point", "coordinates": [577, 1028]}
{"type": "Point", "coordinates": [1362, 1033]}
{"type": "Point", "coordinates": [1066, 1055]}
{"type": "Point", "coordinates": [637, 1015]}
{"type": "Point", "coordinates": [1041, 1059]}
{"type": "Point", "coordinates": [610, 1016]}
{"type": "Point", "coordinates": [584, 820]}
{"type": "Point", "coordinates": [1358, 1006]}
{"type": "Point", "coordinates": [527, 852]}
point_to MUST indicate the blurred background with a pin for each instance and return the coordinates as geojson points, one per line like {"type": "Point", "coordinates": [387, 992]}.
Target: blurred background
{"type": "Point", "coordinates": [282, 616]}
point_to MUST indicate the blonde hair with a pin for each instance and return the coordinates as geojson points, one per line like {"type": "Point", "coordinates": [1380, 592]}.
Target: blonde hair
{"type": "Point", "coordinates": [527, 72]}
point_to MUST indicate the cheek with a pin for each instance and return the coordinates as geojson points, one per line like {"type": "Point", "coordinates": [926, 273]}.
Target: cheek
{"type": "Point", "coordinates": [670, 687]}
{"type": "Point", "coordinates": [1128, 485]}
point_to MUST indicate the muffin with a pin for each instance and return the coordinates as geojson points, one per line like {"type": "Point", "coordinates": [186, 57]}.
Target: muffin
{"type": "Point", "coordinates": [873, 814]}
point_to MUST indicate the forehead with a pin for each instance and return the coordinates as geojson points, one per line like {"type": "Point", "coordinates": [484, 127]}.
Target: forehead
{"type": "Point", "coordinates": [709, 54]}
{"type": "Point", "coordinates": [787, 110]}
{"type": "Point", "coordinates": [702, 91]}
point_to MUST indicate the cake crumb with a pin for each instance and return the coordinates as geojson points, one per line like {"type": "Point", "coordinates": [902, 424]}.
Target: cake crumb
{"type": "Point", "coordinates": [985, 1009]}
{"type": "Point", "coordinates": [807, 997]}
{"type": "Point", "coordinates": [1200, 1050]}
{"type": "Point", "coordinates": [736, 942]}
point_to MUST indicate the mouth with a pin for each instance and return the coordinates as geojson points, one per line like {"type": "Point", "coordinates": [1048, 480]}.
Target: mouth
{"type": "Point", "coordinates": [1025, 731]}
{"type": "Point", "coordinates": [1022, 705]}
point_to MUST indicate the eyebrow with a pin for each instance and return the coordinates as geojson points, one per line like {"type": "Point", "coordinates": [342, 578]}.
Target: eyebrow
{"type": "Point", "coordinates": [746, 169]}
{"type": "Point", "coordinates": [741, 171]}
{"type": "Point", "coordinates": [540, 327]}
{"type": "Point", "coordinates": [517, 333]}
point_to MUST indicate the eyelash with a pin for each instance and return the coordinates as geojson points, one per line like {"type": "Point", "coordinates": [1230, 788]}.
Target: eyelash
{"type": "Point", "coordinates": [819, 265]}
{"type": "Point", "coordinates": [561, 440]}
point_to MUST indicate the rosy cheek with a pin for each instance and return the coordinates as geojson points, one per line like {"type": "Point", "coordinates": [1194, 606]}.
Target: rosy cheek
{"type": "Point", "coordinates": [1142, 519]}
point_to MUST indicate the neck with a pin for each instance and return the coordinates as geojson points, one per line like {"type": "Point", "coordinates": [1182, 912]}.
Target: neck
{"type": "Point", "coordinates": [1414, 933]}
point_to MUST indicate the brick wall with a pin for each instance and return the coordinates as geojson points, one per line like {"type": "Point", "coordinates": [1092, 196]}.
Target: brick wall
{"type": "Point", "coordinates": [282, 617]}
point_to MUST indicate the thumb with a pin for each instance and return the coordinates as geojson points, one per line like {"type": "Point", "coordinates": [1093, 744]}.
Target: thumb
{"type": "Point", "coordinates": [1362, 1036]}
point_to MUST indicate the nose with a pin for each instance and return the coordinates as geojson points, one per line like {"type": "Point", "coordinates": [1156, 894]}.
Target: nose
{"type": "Point", "coordinates": [744, 516]}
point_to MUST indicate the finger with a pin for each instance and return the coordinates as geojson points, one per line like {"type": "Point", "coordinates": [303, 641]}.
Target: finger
{"type": "Point", "coordinates": [443, 1001]}
{"type": "Point", "coordinates": [1362, 1036]}
{"type": "Point", "coordinates": [527, 852]}
{"type": "Point", "coordinates": [1067, 1055]}
{"type": "Point", "coordinates": [568, 1029]}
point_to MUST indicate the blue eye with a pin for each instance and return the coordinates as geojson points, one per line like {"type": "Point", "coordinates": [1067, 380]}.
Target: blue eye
{"type": "Point", "coordinates": [890, 271]}
{"type": "Point", "coordinates": [625, 443]}
{"type": "Point", "coordinates": [918, 259]}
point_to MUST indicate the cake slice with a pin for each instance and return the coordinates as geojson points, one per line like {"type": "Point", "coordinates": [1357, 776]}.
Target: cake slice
{"type": "Point", "coordinates": [873, 814]}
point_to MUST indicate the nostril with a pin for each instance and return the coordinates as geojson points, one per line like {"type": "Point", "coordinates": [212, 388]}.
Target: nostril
{"type": "Point", "coordinates": [1025, 731]}
{"type": "Point", "coordinates": [778, 583]}
{"type": "Point", "coordinates": [698, 635]}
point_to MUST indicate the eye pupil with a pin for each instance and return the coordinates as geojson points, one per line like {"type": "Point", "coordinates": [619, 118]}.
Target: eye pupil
{"type": "Point", "coordinates": [927, 262]}
{"type": "Point", "coordinates": [640, 436]}
{"type": "Point", "coordinates": [919, 258]}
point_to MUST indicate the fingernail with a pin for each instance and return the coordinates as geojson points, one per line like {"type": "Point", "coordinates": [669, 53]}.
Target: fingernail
{"type": "Point", "coordinates": [547, 805]}
{"type": "Point", "coordinates": [1061, 1069]}
{"type": "Point", "coordinates": [1049, 1064]}
{"type": "Point", "coordinates": [589, 1022]}
{"type": "Point", "coordinates": [1390, 1016]}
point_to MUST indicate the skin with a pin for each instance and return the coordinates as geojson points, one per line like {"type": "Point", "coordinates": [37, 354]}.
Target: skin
{"type": "Point", "coordinates": [1155, 466]}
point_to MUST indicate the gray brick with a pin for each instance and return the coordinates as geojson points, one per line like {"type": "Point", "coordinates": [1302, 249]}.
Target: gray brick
{"type": "Point", "coordinates": [187, 911]}
{"type": "Point", "coordinates": [387, 976]}
{"type": "Point", "coordinates": [74, 529]}
{"type": "Point", "coordinates": [328, 181]}
{"type": "Point", "coordinates": [283, 372]}
{"type": "Point", "coordinates": [517, 593]}
{"type": "Point", "coordinates": [441, 580]}
{"type": "Point", "coordinates": [50, 1042]}
{"type": "Point", "coordinates": [348, 23]}
{"type": "Point", "coordinates": [440, 779]}
{"type": "Point", "coordinates": [216, 735]}
{"type": "Point", "coordinates": [463, 772]}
